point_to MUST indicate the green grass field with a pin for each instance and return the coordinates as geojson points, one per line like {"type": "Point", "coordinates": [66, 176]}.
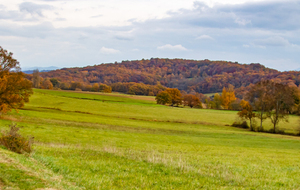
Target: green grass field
{"type": "Point", "coordinates": [115, 141]}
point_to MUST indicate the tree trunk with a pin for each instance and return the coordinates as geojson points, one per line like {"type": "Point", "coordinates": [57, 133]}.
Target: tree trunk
{"type": "Point", "coordinates": [261, 120]}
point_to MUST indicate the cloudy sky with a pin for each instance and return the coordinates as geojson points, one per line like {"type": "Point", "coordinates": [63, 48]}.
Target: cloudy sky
{"type": "Point", "coordinates": [76, 33]}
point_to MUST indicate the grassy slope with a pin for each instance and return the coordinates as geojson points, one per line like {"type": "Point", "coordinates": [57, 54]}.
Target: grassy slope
{"type": "Point", "coordinates": [98, 141]}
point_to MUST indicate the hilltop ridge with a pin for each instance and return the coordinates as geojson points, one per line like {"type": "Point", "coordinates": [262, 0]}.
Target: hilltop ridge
{"type": "Point", "coordinates": [202, 76]}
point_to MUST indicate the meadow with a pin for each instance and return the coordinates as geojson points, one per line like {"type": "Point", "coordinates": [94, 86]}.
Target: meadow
{"type": "Point", "coordinates": [115, 141]}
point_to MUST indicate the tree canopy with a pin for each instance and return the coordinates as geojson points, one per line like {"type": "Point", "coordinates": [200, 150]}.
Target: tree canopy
{"type": "Point", "coordinates": [14, 88]}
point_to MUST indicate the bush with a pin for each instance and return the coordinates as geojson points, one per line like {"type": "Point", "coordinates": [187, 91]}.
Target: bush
{"type": "Point", "coordinates": [242, 124]}
{"type": "Point", "coordinates": [15, 142]}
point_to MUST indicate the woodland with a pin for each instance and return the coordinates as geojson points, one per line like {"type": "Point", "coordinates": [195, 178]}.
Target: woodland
{"type": "Point", "coordinates": [192, 76]}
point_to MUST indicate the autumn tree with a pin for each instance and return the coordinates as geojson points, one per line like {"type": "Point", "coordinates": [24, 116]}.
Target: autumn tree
{"type": "Point", "coordinates": [228, 97]}
{"type": "Point", "coordinates": [163, 98]}
{"type": "Point", "coordinates": [272, 100]}
{"type": "Point", "coordinates": [258, 95]}
{"type": "Point", "coordinates": [191, 100]}
{"type": "Point", "coordinates": [280, 98]}
{"type": "Point", "coordinates": [217, 101]}
{"type": "Point", "coordinates": [95, 87]}
{"type": "Point", "coordinates": [247, 112]}
{"type": "Point", "coordinates": [175, 95]}
{"type": "Point", "coordinates": [14, 88]}
{"type": "Point", "coordinates": [46, 84]}
{"type": "Point", "coordinates": [104, 88]}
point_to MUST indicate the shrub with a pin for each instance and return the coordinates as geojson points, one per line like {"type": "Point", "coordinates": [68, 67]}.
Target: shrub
{"type": "Point", "coordinates": [13, 141]}
{"type": "Point", "coordinates": [242, 124]}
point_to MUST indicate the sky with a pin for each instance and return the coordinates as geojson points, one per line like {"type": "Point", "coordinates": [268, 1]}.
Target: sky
{"type": "Point", "coordinates": [76, 33]}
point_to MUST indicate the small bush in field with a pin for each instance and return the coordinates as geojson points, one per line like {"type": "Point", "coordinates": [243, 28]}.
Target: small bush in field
{"type": "Point", "coordinates": [242, 124]}
{"type": "Point", "coordinates": [15, 142]}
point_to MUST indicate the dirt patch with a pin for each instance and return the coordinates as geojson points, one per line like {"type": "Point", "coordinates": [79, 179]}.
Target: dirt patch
{"type": "Point", "coordinates": [10, 118]}
{"type": "Point", "coordinates": [5, 160]}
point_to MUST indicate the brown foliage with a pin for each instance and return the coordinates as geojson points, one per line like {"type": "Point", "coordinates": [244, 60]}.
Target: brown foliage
{"type": "Point", "coordinates": [272, 100]}
{"type": "Point", "coordinates": [15, 142]}
{"type": "Point", "coordinates": [247, 112]}
{"type": "Point", "coordinates": [203, 76]}
{"type": "Point", "coordinates": [14, 88]}
{"type": "Point", "coordinates": [191, 100]}
{"type": "Point", "coordinates": [47, 84]}
{"type": "Point", "coordinates": [175, 96]}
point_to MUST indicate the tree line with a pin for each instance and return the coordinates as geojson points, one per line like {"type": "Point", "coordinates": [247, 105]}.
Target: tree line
{"type": "Point", "coordinates": [264, 100]}
{"type": "Point", "coordinates": [175, 97]}
{"type": "Point", "coordinates": [270, 100]}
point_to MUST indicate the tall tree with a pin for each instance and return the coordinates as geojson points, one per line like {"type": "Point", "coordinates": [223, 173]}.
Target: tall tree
{"type": "Point", "coordinates": [272, 100]}
{"type": "Point", "coordinates": [228, 97]}
{"type": "Point", "coordinates": [281, 101]}
{"type": "Point", "coordinates": [14, 88]}
{"type": "Point", "coordinates": [36, 78]}
{"type": "Point", "coordinates": [258, 96]}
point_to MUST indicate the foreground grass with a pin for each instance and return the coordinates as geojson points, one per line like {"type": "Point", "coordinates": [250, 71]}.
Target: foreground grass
{"type": "Point", "coordinates": [96, 141]}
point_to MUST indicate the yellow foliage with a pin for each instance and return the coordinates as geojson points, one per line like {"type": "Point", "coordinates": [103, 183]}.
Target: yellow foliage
{"type": "Point", "coordinates": [227, 97]}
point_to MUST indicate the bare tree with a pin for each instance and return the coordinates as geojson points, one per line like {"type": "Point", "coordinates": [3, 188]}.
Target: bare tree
{"type": "Point", "coordinates": [257, 96]}
{"type": "Point", "coordinates": [281, 99]}
{"type": "Point", "coordinates": [36, 78]}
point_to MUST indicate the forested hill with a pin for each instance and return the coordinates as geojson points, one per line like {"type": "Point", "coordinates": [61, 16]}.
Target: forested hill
{"type": "Point", "coordinates": [190, 75]}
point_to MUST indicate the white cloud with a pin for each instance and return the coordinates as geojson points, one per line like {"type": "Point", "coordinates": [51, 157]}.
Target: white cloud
{"type": "Point", "coordinates": [242, 22]}
{"type": "Point", "coordinates": [205, 37]}
{"type": "Point", "coordinates": [57, 32]}
{"type": "Point", "coordinates": [172, 48]}
{"type": "Point", "coordinates": [105, 50]}
{"type": "Point", "coordinates": [281, 64]}
{"type": "Point", "coordinates": [273, 41]}
{"type": "Point", "coordinates": [33, 8]}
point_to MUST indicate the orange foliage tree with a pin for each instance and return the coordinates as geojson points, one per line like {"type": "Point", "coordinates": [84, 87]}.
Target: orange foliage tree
{"type": "Point", "coordinates": [191, 100]}
{"type": "Point", "coordinates": [247, 112]}
{"type": "Point", "coordinates": [175, 95]}
{"type": "Point", "coordinates": [228, 97]}
{"type": "Point", "coordinates": [14, 88]}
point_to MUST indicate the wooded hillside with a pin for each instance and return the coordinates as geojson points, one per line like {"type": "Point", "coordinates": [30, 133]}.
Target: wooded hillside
{"type": "Point", "coordinates": [203, 76]}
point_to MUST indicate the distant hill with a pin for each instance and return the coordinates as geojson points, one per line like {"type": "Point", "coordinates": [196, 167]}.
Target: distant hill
{"type": "Point", "coordinates": [29, 70]}
{"type": "Point", "coordinates": [202, 76]}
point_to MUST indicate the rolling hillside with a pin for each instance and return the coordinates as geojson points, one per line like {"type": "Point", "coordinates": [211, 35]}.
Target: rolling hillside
{"type": "Point", "coordinates": [113, 141]}
{"type": "Point", "coordinates": [190, 75]}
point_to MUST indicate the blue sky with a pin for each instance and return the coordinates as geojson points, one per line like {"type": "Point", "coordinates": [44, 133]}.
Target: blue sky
{"type": "Point", "coordinates": [74, 33]}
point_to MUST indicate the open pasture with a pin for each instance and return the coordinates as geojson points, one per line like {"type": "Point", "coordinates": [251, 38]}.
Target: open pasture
{"type": "Point", "coordinates": [114, 141]}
